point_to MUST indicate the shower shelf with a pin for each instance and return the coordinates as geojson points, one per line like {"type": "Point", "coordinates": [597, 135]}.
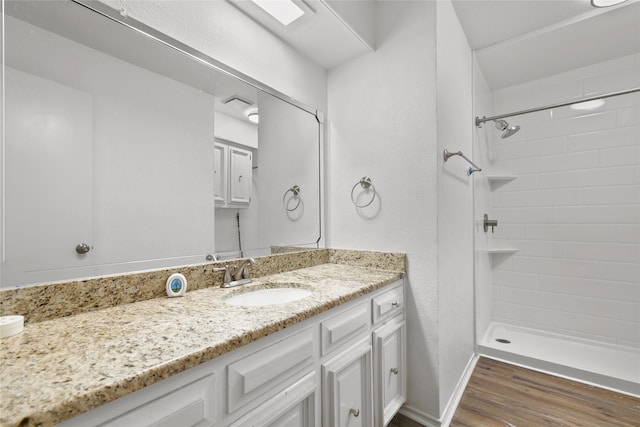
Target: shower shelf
{"type": "Point", "coordinates": [500, 178]}
{"type": "Point", "coordinates": [496, 181]}
{"type": "Point", "coordinates": [502, 250]}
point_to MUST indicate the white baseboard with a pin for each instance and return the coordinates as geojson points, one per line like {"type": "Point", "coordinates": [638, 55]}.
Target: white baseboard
{"type": "Point", "coordinates": [456, 396]}
{"type": "Point", "coordinates": [419, 416]}
{"type": "Point", "coordinates": [428, 420]}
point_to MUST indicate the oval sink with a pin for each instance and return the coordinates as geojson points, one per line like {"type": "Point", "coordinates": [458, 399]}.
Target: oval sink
{"type": "Point", "coordinates": [271, 296]}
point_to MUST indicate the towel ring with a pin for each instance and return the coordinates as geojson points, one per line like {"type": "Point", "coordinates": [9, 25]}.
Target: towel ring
{"type": "Point", "coordinates": [295, 191]}
{"type": "Point", "coordinates": [365, 182]}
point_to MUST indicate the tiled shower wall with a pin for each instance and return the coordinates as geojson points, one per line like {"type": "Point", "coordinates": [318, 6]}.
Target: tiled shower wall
{"type": "Point", "coordinates": [574, 209]}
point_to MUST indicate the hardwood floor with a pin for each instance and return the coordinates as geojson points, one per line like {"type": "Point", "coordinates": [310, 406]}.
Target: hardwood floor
{"type": "Point", "coordinates": [500, 394]}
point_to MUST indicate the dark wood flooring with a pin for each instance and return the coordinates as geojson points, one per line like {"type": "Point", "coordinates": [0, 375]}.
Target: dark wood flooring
{"type": "Point", "coordinates": [500, 394]}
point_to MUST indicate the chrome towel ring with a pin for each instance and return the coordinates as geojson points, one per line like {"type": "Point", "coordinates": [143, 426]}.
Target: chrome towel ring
{"type": "Point", "coordinates": [365, 183]}
{"type": "Point", "coordinates": [295, 192]}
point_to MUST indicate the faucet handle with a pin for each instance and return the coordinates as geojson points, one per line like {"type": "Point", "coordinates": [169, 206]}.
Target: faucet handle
{"type": "Point", "coordinates": [227, 273]}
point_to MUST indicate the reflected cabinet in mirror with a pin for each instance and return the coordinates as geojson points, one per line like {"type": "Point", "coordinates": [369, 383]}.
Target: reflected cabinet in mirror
{"type": "Point", "coordinates": [125, 150]}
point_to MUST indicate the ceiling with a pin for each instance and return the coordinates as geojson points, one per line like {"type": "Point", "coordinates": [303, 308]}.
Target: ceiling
{"type": "Point", "coordinates": [520, 40]}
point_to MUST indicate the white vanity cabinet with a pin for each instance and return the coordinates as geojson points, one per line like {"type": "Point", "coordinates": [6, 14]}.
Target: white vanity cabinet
{"type": "Point", "coordinates": [233, 173]}
{"type": "Point", "coordinates": [343, 367]}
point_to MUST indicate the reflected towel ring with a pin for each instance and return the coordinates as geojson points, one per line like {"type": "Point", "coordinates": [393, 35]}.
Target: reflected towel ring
{"type": "Point", "coordinates": [365, 182]}
{"type": "Point", "coordinates": [295, 191]}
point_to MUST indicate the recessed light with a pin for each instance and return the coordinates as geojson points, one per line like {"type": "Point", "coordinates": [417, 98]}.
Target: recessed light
{"type": "Point", "coordinates": [588, 105]}
{"type": "Point", "coordinates": [253, 117]}
{"type": "Point", "coordinates": [606, 3]}
{"type": "Point", "coordinates": [285, 11]}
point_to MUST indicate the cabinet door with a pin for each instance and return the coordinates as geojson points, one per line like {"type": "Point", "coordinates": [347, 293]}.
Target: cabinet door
{"type": "Point", "coordinates": [220, 172]}
{"type": "Point", "coordinates": [389, 371]}
{"type": "Point", "coordinates": [347, 388]}
{"type": "Point", "coordinates": [293, 407]}
{"type": "Point", "coordinates": [240, 163]}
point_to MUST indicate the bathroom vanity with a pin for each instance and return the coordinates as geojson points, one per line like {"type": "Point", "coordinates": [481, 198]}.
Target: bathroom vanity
{"type": "Point", "coordinates": [333, 358]}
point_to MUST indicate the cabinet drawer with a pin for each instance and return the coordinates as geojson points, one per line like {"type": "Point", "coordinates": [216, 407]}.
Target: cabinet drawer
{"type": "Point", "coordinates": [344, 327]}
{"type": "Point", "coordinates": [294, 406]}
{"type": "Point", "coordinates": [191, 405]}
{"type": "Point", "coordinates": [388, 304]}
{"type": "Point", "coordinates": [269, 368]}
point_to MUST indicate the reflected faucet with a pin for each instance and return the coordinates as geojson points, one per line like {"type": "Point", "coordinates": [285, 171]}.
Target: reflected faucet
{"type": "Point", "coordinates": [236, 275]}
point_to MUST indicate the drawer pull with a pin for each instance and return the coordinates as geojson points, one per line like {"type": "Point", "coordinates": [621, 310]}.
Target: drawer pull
{"type": "Point", "coordinates": [354, 412]}
{"type": "Point", "coordinates": [395, 304]}
{"type": "Point", "coordinates": [394, 371]}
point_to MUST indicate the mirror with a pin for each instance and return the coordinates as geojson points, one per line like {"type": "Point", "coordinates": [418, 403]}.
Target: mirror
{"type": "Point", "coordinates": [125, 150]}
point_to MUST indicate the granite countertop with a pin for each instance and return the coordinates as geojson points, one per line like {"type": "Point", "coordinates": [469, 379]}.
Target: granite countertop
{"type": "Point", "coordinates": [59, 368]}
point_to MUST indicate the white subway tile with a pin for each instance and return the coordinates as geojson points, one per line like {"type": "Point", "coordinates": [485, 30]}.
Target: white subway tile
{"type": "Point", "coordinates": [559, 267]}
{"type": "Point", "coordinates": [516, 279]}
{"type": "Point", "coordinates": [604, 139]}
{"type": "Point", "coordinates": [533, 147]}
{"type": "Point", "coordinates": [620, 272]}
{"type": "Point", "coordinates": [627, 195]}
{"type": "Point", "coordinates": [527, 215]}
{"type": "Point", "coordinates": [620, 156]}
{"type": "Point", "coordinates": [561, 302]}
{"type": "Point", "coordinates": [611, 82]}
{"type": "Point", "coordinates": [573, 125]}
{"type": "Point", "coordinates": [556, 162]}
{"type": "Point", "coordinates": [629, 116]}
{"type": "Point", "coordinates": [601, 177]}
{"type": "Point", "coordinates": [558, 197]}
{"type": "Point", "coordinates": [508, 231]}
{"type": "Point", "coordinates": [517, 296]}
{"type": "Point", "coordinates": [603, 252]}
{"type": "Point", "coordinates": [594, 288]}
{"type": "Point", "coordinates": [628, 233]}
{"type": "Point", "coordinates": [517, 312]}
{"type": "Point", "coordinates": [538, 248]}
{"type": "Point", "coordinates": [596, 214]}
{"type": "Point", "coordinates": [574, 232]}
{"type": "Point", "coordinates": [611, 309]}
{"type": "Point", "coordinates": [618, 329]}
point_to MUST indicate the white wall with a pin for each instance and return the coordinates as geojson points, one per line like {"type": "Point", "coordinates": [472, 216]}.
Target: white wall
{"type": "Point", "coordinates": [574, 210]}
{"type": "Point", "coordinates": [221, 31]}
{"type": "Point", "coordinates": [382, 124]}
{"type": "Point", "coordinates": [455, 201]}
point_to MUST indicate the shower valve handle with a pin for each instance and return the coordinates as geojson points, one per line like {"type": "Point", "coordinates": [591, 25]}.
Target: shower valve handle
{"type": "Point", "coordinates": [489, 223]}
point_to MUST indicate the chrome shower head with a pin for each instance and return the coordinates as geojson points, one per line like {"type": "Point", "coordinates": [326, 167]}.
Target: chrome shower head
{"type": "Point", "coordinates": [506, 130]}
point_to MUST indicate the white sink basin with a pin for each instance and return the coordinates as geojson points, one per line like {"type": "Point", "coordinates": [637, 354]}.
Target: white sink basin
{"type": "Point", "coordinates": [270, 296]}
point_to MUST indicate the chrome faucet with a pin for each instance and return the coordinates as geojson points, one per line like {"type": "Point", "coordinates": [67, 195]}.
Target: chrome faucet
{"type": "Point", "coordinates": [236, 275]}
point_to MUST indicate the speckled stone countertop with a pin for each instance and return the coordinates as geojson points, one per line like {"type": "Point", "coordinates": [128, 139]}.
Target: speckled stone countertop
{"type": "Point", "coordinates": [56, 369]}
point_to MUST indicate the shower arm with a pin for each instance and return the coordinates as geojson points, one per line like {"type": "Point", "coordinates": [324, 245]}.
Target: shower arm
{"type": "Point", "coordinates": [447, 155]}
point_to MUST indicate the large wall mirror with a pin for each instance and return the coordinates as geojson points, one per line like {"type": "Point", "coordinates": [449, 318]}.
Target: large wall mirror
{"type": "Point", "coordinates": [125, 150]}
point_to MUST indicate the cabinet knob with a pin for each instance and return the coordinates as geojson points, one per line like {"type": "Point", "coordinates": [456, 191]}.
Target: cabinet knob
{"type": "Point", "coordinates": [354, 412]}
{"type": "Point", "coordinates": [395, 304]}
{"type": "Point", "coordinates": [83, 248]}
{"type": "Point", "coordinates": [394, 371]}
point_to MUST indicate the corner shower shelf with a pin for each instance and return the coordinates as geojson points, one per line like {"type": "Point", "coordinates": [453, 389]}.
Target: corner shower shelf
{"type": "Point", "coordinates": [500, 179]}
{"type": "Point", "coordinates": [493, 251]}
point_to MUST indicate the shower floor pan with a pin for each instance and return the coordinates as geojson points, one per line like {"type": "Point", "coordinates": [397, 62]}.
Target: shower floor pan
{"type": "Point", "coordinates": [609, 366]}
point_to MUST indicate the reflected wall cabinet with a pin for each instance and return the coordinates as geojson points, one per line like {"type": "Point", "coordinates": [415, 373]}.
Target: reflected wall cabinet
{"type": "Point", "coordinates": [232, 171]}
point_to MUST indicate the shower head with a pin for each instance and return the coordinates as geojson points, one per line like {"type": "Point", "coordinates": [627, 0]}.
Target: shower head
{"type": "Point", "coordinates": [506, 130]}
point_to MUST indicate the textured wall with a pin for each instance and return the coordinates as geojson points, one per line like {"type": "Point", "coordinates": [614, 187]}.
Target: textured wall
{"type": "Point", "coordinates": [382, 124]}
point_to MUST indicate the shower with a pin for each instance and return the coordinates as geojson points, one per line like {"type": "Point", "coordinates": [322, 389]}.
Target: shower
{"type": "Point", "coordinates": [501, 125]}
{"type": "Point", "coordinates": [506, 130]}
